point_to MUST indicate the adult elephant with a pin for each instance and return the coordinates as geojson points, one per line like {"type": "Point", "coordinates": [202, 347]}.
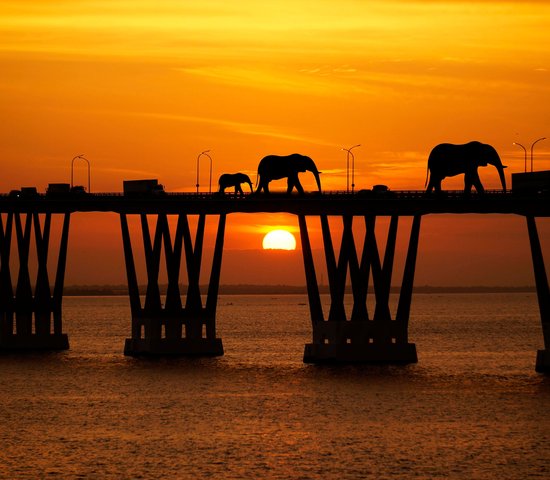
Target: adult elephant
{"type": "Point", "coordinates": [234, 180]}
{"type": "Point", "coordinates": [275, 167]}
{"type": "Point", "coordinates": [448, 160]}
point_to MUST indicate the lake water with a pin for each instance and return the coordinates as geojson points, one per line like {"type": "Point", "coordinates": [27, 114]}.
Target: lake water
{"type": "Point", "coordinates": [473, 407]}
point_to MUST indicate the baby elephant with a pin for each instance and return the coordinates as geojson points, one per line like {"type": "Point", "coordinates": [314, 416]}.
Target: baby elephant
{"type": "Point", "coordinates": [234, 180]}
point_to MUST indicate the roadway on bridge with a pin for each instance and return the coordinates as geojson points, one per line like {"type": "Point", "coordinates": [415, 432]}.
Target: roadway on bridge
{"type": "Point", "coordinates": [402, 203]}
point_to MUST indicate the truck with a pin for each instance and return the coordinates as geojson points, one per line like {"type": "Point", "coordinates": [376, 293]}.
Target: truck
{"type": "Point", "coordinates": [29, 192]}
{"type": "Point", "coordinates": [57, 189]}
{"type": "Point", "coordinates": [531, 183]}
{"type": "Point", "coordinates": [376, 191]}
{"type": "Point", "coordinates": [142, 187]}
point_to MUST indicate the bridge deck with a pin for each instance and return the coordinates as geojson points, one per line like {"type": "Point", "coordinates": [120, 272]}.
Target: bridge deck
{"type": "Point", "coordinates": [330, 203]}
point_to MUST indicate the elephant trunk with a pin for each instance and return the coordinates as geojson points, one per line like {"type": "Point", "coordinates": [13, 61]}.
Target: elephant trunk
{"type": "Point", "coordinates": [317, 178]}
{"type": "Point", "coordinates": [492, 158]}
{"type": "Point", "coordinates": [500, 169]}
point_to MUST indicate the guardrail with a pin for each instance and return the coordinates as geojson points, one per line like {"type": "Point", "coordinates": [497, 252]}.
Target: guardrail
{"type": "Point", "coordinates": [399, 194]}
{"type": "Point", "coordinates": [334, 202]}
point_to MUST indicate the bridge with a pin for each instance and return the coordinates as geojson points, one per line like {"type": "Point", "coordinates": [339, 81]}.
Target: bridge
{"type": "Point", "coordinates": [31, 318]}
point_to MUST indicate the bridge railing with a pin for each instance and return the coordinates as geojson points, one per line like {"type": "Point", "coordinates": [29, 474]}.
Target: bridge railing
{"type": "Point", "coordinates": [329, 194]}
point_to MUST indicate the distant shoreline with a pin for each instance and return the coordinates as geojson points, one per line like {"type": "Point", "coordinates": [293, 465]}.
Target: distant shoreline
{"type": "Point", "coordinates": [122, 290]}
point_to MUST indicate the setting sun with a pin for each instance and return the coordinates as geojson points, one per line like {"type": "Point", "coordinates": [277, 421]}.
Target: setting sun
{"type": "Point", "coordinates": [279, 240]}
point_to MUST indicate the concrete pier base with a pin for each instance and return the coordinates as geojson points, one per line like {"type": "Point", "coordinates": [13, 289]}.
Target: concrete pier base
{"type": "Point", "coordinates": [31, 309]}
{"type": "Point", "coordinates": [352, 335]}
{"type": "Point", "coordinates": [173, 326]}
{"type": "Point", "coordinates": [543, 361]}
{"type": "Point", "coordinates": [543, 295]}
{"type": "Point", "coordinates": [390, 353]}
{"type": "Point", "coordinates": [182, 347]}
{"type": "Point", "coordinates": [29, 343]}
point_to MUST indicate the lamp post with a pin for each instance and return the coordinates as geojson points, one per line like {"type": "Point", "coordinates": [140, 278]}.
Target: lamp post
{"type": "Point", "coordinates": [205, 153]}
{"type": "Point", "coordinates": [80, 157]}
{"type": "Point", "coordinates": [349, 152]}
{"type": "Point", "coordinates": [525, 158]}
{"type": "Point", "coordinates": [532, 145]}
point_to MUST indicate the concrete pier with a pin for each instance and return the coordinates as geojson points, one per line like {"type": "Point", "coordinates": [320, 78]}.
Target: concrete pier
{"type": "Point", "coordinates": [358, 337]}
{"type": "Point", "coordinates": [173, 329]}
{"type": "Point", "coordinates": [31, 319]}
{"type": "Point", "coordinates": [543, 295]}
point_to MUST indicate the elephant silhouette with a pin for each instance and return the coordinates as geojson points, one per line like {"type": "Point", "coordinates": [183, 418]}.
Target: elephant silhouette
{"type": "Point", "coordinates": [233, 180]}
{"type": "Point", "coordinates": [448, 160]}
{"type": "Point", "coordinates": [275, 167]}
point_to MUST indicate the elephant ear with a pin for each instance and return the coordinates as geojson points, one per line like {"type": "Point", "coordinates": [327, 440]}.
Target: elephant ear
{"type": "Point", "coordinates": [481, 163]}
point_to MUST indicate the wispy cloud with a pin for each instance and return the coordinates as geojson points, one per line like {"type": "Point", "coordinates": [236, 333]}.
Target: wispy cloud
{"type": "Point", "coordinates": [246, 128]}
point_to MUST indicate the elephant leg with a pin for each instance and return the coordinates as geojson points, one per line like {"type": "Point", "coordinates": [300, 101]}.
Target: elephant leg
{"type": "Point", "coordinates": [467, 185]}
{"type": "Point", "coordinates": [238, 189]}
{"type": "Point", "coordinates": [290, 186]}
{"type": "Point", "coordinates": [294, 182]}
{"type": "Point", "coordinates": [434, 184]}
{"type": "Point", "coordinates": [478, 185]}
{"type": "Point", "coordinates": [470, 180]}
{"type": "Point", "coordinates": [430, 186]}
{"type": "Point", "coordinates": [264, 185]}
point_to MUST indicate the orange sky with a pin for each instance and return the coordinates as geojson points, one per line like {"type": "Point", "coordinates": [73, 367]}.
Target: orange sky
{"type": "Point", "coordinates": [142, 87]}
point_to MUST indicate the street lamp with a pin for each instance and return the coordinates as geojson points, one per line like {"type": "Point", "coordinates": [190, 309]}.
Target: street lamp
{"type": "Point", "coordinates": [532, 145]}
{"type": "Point", "coordinates": [525, 158]}
{"type": "Point", "coordinates": [205, 153]}
{"type": "Point", "coordinates": [80, 157]}
{"type": "Point", "coordinates": [349, 152]}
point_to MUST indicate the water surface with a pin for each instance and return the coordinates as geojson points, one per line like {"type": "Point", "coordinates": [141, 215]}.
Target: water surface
{"type": "Point", "coordinates": [473, 407]}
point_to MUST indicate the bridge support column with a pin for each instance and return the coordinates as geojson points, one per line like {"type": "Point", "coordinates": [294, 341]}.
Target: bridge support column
{"type": "Point", "coordinates": [173, 329]}
{"type": "Point", "coordinates": [543, 295]}
{"type": "Point", "coordinates": [31, 320]}
{"type": "Point", "coordinates": [358, 338]}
